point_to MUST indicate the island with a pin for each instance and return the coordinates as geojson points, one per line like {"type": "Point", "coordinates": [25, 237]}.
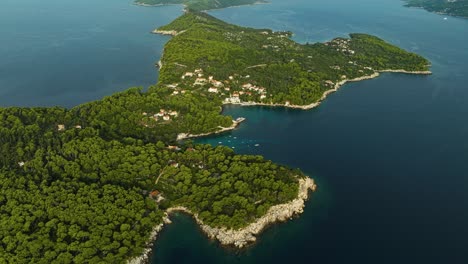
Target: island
{"type": "Point", "coordinates": [200, 5]}
{"type": "Point", "coordinates": [449, 7]}
{"type": "Point", "coordinates": [97, 182]}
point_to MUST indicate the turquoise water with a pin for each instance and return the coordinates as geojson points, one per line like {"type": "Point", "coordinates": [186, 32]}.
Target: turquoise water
{"type": "Point", "coordinates": [389, 154]}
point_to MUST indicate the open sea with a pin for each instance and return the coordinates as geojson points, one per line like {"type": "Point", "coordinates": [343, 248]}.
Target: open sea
{"type": "Point", "coordinates": [390, 155]}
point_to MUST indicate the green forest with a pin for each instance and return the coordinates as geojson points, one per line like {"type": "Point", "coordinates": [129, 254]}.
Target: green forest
{"type": "Point", "coordinates": [84, 193]}
{"type": "Point", "coordinates": [200, 5]}
{"type": "Point", "coordinates": [88, 184]}
{"type": "Point", "coordinates": [259, 65]}
{"type": "Point", "coordinates": [454, 8]}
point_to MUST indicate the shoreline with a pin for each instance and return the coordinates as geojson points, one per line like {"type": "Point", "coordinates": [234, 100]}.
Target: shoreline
{"type": "Point", "coordinates": [235, 124]}
{"type": "Point", "coordinates": [337, 86]}
{"type": "Point", "coordinates": [237, 238]}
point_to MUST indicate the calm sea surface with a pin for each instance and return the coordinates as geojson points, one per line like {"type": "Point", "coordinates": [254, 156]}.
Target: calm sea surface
{"type": "Point", "coordinates": [390, 155]}
{"type": "Point", "coordinates": [67, 52]}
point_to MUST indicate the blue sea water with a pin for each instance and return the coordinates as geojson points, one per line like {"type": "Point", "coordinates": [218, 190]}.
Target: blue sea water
{"type": "Point", "coordinates": [67, 52]}
{"type": "Point", "coordinates": [390, 155]}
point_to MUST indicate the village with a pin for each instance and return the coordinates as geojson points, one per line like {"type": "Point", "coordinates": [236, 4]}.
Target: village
{"type": "Point", "coordinates": [230, 90]}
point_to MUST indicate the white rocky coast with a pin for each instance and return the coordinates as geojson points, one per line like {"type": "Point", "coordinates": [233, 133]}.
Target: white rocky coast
{"type": "Point", "coordinates": [242, 237]}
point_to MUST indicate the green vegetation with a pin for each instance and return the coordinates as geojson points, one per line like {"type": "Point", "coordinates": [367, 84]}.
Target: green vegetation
{"type": "Point", "coordinates": [88, 184]}
{"type": "Point", "coordinates": [450, 7]}
{"type": "Point", "coordinates": [199, 5]}
{"type": "Point", "coordinates": [259, 65]}
{"type": "Point", "coordinates": [75, 190]}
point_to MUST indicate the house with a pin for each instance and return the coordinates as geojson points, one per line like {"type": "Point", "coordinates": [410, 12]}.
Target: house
{"type": "Point", "coordinates": [247, 86]}
{"type": "Point", "coordinates": [217, 83]}
{"type": "Point", "coordinates": [188, 74]}
{"type": "Point", "coordinates": [198, 71]}
{"type": "Point", "coordinates": [166, 118]}
{"type": "Point", "coordinates": [78, 127]}
{"type": "Point", "coordinates": [172, 147]}
{"type": "Point", "coordinates": [231, 78]}
{"type": "Point", "coordinates": [21, 163]}
{"type": "Point", "coordinates": [173, 113]}
{"type": "Point", "coordinates": [213, 90]}
{"type": "Point", "coordinates": [175, 93]}
{"type": "Point", "coordinates": [287, 103]}
{"type": "Point", "coordinates": [262, 97]}
{"type": "Point", "coordinates": [174, 164]}
{"type": "Point", "coordinates": [61, 127]}
{"type": "Point", "coordinates": [200, 81]}
{"type": "Point", "coordinates": [227, 89]}
{"type": "Point", "coordinates": [236, 94]}
{"type": "Point", "coordinates": [145, 114]}
{"type": "Point", "coordinates": [154, 193]}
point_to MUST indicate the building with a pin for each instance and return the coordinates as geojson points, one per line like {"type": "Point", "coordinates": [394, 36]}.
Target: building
{"type": "Point", "coordinates": [166, 118]}
{"type": "Point", "coordinates": [213, 90]}
{"type": "Point", "coordinates": [61, 127]}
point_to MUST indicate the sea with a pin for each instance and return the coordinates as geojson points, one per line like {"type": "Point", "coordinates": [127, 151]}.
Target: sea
{"type": "Point", "coordinates": [389, 155]}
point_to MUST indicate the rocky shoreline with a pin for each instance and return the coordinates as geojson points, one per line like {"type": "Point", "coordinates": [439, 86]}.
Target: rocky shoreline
{"type": "Point", "coordinates": [165, 32]}
{"type": "Point", "coordinates": [334, 89]}
{"type": "Point", "coordinates": [242, 237]}
{"type": "Point", "coordinates": [235, 124]}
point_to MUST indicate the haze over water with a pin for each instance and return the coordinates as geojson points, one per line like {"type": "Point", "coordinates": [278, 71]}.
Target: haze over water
{"type": "Point", "coordinates": [390, 155]}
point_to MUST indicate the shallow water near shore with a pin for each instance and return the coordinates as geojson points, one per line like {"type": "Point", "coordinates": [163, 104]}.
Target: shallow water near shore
{"type": "Point", "coordinates": [390, 155]}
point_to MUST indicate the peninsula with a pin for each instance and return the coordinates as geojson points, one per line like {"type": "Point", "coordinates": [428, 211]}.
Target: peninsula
{"type": "Point", "coordinates": [239, 65]}
{"type": "Point", "coordinates": [95, 183]}
{"type": "Point", "coordinates": [449, 7]}
{"type": "Point", "coordinates": [199, 5]}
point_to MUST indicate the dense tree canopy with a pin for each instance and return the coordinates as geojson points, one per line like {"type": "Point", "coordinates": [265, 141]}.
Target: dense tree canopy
{"type": "Point", "coordinates": [83, 193]}
{"type": "Point", "coordinates": [454, 7]}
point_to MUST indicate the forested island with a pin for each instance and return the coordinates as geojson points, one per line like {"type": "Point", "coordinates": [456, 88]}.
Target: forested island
{"type": "Point", "coordinates": [449, 7]}
{"type": "Point", "coordinates": [200, 5]}
{"type": "Point", "coordinates": [91, 183]}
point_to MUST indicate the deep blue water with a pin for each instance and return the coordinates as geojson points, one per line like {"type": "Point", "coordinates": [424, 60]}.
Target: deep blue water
{"type": "Point", "coordinates": [390, 155]}
{"type": "Point", "coordinates": [67, 52]}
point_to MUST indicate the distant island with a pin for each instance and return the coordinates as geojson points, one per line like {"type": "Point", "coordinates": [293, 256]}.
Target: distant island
{"type": "Point", "coordinates": [200, 5]}
{"type": "Point", "coordinates": [449, 7]}
{"type": "Point", "coordinates": [97, 182]}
